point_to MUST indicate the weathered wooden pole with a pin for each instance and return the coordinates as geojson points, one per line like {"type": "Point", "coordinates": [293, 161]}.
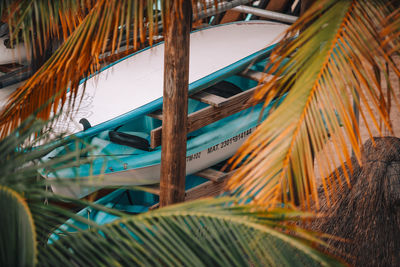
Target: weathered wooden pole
{"type": "Point", "coordinates": [175, 105]}
{"type": "Point", "coordinates": [304, 5]}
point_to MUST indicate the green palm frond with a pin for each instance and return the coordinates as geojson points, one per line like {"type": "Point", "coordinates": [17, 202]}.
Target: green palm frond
{"type": "Point", "coordinates": [334, 57]}
{"type": "Point", "coordinates": [27, 207]}
{"type": "Point", "coordinates": [205, 232]}
{"type": "Point", "coordinates": [210, 232]}
{"type": "Point", "coordinates": [17, 231]}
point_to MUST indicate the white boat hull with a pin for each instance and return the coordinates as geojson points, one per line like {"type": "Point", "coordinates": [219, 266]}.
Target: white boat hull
{"type": "Point", "coordinates": [132, 88]}
{"type": "Point", "coordinates": [151, 174]}
{"type": "Point", "coordinates": [138, 79]}
{"type": "Point", "coordinates": [12, 55]}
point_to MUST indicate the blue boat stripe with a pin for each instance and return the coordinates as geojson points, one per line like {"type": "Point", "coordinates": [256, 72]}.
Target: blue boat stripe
{"type": "Point", "coordinates": [193, 87]}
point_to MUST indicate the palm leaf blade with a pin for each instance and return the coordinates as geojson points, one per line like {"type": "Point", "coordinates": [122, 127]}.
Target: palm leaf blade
{"type": "Point", "coordinates": [318, 104]}
{"type": "Point", "coordinates": [202, 232]}
{"type": "Point", "coordinates": [17, 231]}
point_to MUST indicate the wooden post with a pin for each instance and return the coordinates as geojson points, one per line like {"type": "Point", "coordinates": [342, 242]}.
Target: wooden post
{"type": "Point", "coordinates": [304, 5]}
{"type": "Point", "coordinates": [175, 105]}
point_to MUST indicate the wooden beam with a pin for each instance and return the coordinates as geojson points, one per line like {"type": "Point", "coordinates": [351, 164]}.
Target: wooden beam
{"type": "Point", "coordinates": [175, 103]}
{"type": "Point", "coordinates": [6, 68]}
{"type": "Point", "coordinates": [207, 189]}
{"type": "Point", "coordinates": [212, 175]}
{"type": "Point", "coordinates": [156, 114]}
{"type": "Point", "coordinates": [211, 99]}
{"type": "Point", "coordinates": [278, 5]}
{"type": "Point", "coordinates": [257, 76]}
{"type": "Point", "coordinates": [232, 105]}
{"type": "Point", "coordinates": [151, 188]}
{"type": "Point", "coordinates": [266, 14]}
{"type": "Point", "coordinates": [305, 5]}
{"type": "Point", "coordinates": [231, 16]}
{"type": "Point", "coordinates": [210, 114]}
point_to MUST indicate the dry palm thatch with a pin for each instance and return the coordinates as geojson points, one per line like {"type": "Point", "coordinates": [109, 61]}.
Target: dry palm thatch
{"type": "Point", "coordinates": [330, 56]}
{"type": "Point", "coordinates": [367, 215]}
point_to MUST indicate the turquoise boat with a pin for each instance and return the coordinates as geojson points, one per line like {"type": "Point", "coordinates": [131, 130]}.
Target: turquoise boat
{"type": "Point", "coordinates": [120, 113]}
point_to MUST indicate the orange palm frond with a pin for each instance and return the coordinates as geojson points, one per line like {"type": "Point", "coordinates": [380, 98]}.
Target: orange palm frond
{"type": "Point", "coordinates": [334, 54]}
{"type": "Point", "coordinates": [390, 34]}
{"type": "Point", "coordinates": [90, 29]}
{"type": "Point", "coordinates": [75, 59]}
{"type": "Point", "coordinates": [39, 22]}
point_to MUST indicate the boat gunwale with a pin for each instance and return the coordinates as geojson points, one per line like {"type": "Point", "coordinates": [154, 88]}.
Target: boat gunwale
{"type": "Point", "coordinates": [194, 87]}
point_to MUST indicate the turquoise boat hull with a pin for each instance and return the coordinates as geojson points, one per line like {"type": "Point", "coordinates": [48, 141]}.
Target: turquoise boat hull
{"type": "Point", "coordinates": [116, 164]}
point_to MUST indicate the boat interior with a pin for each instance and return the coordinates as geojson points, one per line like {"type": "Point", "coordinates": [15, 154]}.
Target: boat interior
{"type": "Point", "coordinates": [143, 134]}
{"type": "Point", "coordinates": [138, 201]}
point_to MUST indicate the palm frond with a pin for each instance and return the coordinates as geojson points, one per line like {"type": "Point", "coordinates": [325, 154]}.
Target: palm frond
{"type": "Point", "coordinates": [36, 23]}
{"type": "Point", "coordinates": [26, 204]}
{"type": "Point", "coordinates": [332, 61]}
{"type": "Point", "coordinates": [75, 59]}
{"type": "Point", "coordinates": [205, 232]}
{"type": "Point", "coordinates": [390, 33]}
{"type": "Point", "coordinates": [17, 231]}
{"type": "Point", "coordinates": [209, 232]}
{"type": "Point", "coordinates": [92, 28]}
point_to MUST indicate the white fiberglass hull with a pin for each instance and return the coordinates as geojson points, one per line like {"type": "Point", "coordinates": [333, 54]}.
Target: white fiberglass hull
{"type": "Point", "coordinates": [151, 174]}
{"type": "Point", "coordinates": [16, 54]}
{"type": "Point", "coordinates": [132, 88]}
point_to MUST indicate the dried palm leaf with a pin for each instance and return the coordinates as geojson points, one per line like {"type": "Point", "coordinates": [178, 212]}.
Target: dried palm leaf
{"type": "Point", "coordinates": [89, 29]}
{"type": "Point", "coordinates": [335, 57]}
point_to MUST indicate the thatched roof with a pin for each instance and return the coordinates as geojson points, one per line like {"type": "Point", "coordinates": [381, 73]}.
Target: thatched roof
{"type": "Point", "coordinates": [368, 214]}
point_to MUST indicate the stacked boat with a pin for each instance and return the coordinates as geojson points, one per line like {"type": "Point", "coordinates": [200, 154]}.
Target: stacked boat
{"type": "Point", "coordinates": [121, 112]}
{"type": "Point", "coordinates": [10, 53]}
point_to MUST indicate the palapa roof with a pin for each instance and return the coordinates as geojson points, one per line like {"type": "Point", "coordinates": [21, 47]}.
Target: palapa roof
{"type": "Point", "coordinates": [367, 215]}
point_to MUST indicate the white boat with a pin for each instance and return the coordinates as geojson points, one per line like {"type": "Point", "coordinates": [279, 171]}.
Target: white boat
{"type": "Point", "coordinates": [113, 115]}
{"type": "Point", "coordinates": [8, 55]}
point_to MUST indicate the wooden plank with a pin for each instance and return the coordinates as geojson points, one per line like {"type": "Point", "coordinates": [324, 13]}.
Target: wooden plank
{"type": "Point", "coordinates": [257, 76]}
{"type": "Point", "coordinates": [6, 68]}
{"type": "Point", "coordinates": [155, 206]}
{"type": "Point", "coordinates": [156, 114]}
{"type": "Point", "coordinates": [207, 189]}
{"type": "Point", "coordinates": [231, 16]}
{"type": "Point", "coordinates": [99, 194]}
{"type": "Point", "coordinates": [200, 25]}
{"type": "Point", "coordinates": [278, 5]}
{"type": "Point", "coordinates": [211, 99]}
{"type": "Point", "coordinates": [266, 14]}
{"type": "Point", "coordinates": [211, 114]}
{"type": "Point", "coordinates": [305, 5]}
{"type": "Point", "coordinates": [151, 188]}
{"type": "Point", "coordinates": [175, 104]}
{"type": "Point", "coordinates": [91, 197]}
{"type": "Point", "coordinates": [212, 175]}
